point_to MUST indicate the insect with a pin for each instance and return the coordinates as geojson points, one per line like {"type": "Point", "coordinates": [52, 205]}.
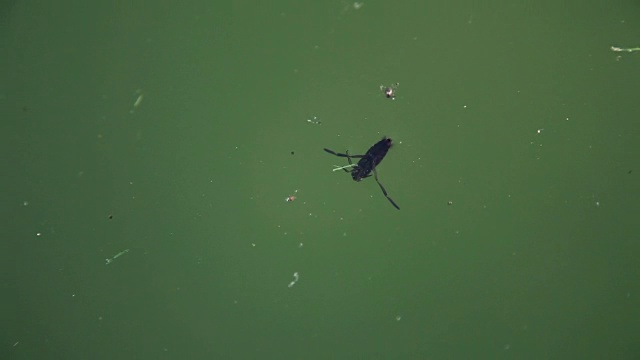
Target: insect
{"type": "Point", "coordinates": [368, 163]}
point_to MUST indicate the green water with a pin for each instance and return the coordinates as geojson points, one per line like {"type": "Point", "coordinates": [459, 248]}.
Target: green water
{"type": "Point", "coordinates": [148, 149]}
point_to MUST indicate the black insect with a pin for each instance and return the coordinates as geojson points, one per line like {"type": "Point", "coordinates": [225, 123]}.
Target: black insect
{"type": "Point", "coordinates": [368, 163]}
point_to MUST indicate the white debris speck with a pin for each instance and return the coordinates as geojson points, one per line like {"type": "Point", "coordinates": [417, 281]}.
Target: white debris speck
{"type": "Point", "coordinates": [296, 277]}
{"type": "Point", "coordinates": [138, 101]}
{"type": "Point", "coordinates": [314, 121]}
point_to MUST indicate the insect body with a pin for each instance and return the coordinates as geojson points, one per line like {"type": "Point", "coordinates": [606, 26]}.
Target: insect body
{"type": "Point", "coordinates": [368, 163]}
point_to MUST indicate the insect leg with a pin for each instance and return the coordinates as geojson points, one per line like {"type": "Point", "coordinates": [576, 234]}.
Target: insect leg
{"type": "Point", "coordinates": [375, 175]}
{"type": "Point", "coordinates": [348, 157]}
{"type": "Point", "coordinates": [343, 155]}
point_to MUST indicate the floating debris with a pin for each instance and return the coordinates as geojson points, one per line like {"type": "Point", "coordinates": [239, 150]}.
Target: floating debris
{"type": "Point", "coordinates": [291, 198]}
{"type": "Point", "coordinates": [390, 91]}
{"type": "Point", "coordinates": [315, 121]}
{"type": "Point", "coordinates": [296, 277]}
{"type": "Point", "coordinates": [109, 261]}
{"type": "Point", "coordinates": [138, 101]}
{"type": "Point", "coordinates": [619, 49]}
